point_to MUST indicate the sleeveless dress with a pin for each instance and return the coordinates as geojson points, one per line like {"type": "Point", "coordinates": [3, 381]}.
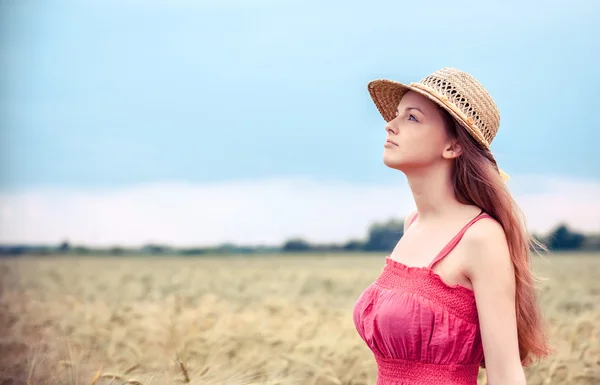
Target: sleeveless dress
{"type": "Point", "coordinates": [421, 330]}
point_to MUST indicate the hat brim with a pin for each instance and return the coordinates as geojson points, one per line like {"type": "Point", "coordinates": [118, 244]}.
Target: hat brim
{"type": "Point", "coordinates": [386, 94]}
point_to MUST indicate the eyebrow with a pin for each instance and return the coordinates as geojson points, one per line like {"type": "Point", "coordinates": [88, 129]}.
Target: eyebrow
{"type": "Point", "coordinates": [412, 108]}
{"type": "Point", "coordinates": [416, 108]}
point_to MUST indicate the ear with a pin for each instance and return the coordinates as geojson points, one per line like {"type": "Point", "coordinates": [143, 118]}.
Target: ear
{"type": "Point", "coordinates": [452, 150]}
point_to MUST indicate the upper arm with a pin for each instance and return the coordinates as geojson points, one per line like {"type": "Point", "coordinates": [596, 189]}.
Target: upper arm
{"type": "Point", "coordinates": [408, 219]}
{"type": "Point", "coordinates": [491, 273]}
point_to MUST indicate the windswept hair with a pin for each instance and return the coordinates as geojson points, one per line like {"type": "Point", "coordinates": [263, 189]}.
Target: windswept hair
{"type": "Point", "coordinates": [477, 182]}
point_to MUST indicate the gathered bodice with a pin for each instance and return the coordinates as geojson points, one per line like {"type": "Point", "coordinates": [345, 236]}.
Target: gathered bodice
{"type": "Point", "coordinates": [421, 330]}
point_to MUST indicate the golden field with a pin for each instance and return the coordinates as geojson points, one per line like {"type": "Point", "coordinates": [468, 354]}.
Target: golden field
{"type": "Point", "coordinates": [238, 320]}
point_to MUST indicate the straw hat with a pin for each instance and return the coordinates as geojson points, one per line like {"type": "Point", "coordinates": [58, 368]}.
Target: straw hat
{"type": "Point", "coordinates": [456, 91]}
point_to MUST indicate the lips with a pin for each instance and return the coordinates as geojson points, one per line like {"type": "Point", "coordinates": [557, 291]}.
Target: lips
{"type": "Point", "coordinates": [391, 142]}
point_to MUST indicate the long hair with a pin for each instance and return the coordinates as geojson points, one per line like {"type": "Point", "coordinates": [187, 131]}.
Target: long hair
{"type": "Point", "coordinates": [478, 182]}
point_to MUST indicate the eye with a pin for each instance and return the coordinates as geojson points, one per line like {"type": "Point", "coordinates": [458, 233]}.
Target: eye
{"type": "Point", "coordinates": [412, 117]}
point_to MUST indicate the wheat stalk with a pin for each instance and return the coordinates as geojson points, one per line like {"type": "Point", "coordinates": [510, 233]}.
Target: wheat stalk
{"type": "Point", "coordinates": [186, 375]}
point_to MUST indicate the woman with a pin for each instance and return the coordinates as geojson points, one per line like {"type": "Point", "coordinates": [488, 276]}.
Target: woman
{"type": "Point", "coordinates": [457, 287]}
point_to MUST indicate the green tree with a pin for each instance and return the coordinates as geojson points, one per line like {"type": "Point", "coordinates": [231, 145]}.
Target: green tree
{"type": "Point", "coordinates": [562, 238]}
{"type": "Point", "coordinates": [296, 244]}
{"type": "Point", "coordinates": [64, 247]}
{"type": "Point", "coordinates": [384, 236]}
{"type": "Point", "coordinates": [353, 245]}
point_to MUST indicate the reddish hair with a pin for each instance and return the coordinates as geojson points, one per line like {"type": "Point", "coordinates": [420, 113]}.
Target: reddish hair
{"type": "Point", "coordinates": [478, 182]}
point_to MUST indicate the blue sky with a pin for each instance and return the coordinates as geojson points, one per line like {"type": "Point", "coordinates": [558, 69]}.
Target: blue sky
{"type": "Point", "coordinates": [116, 93]}
{"type": "Point", "coordinates": [101, 95]}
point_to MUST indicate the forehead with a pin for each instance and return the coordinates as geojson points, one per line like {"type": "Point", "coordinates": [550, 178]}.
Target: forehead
{"type": "Point", "coordinates": [416, 100]}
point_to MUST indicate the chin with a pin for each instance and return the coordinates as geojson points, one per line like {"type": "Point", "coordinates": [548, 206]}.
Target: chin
{"type": "Point", "coordinates": [392, 162]}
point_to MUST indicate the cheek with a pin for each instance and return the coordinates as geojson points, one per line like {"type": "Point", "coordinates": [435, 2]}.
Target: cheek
{"type": "Point", "coordinates": [420, 143]}
{"type": "Point", "coordinates": [415, 147]}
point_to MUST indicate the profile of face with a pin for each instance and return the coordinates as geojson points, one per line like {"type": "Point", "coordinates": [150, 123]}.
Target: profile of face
{"type": "Point", "coordinates": [417, 138]}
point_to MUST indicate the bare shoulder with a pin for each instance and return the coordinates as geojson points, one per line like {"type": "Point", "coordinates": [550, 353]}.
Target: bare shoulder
{"type": "Point", "coordinates": [488, 255]}
{"type": "Point", "coordinates": [490, 269]}
{"type": "Point", "coordinates": [484, 231]}
{"type": "Point", "coordinates": [408, 219]}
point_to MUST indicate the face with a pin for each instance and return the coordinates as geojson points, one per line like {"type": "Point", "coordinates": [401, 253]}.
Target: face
{"type": "Point", "coordinates": [417, 137]}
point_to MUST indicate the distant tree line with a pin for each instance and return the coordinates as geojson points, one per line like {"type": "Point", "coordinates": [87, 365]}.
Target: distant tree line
{"type": "Point", "coordinates": [381, 237]}
{"type": "Point", "coordinates": [384, 236]}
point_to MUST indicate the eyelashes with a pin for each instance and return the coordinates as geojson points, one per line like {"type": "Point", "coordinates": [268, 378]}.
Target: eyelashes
{"type": "Point", "coordinates": [411, 117]}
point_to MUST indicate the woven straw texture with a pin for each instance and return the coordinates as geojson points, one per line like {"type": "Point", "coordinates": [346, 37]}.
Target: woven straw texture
{"type": "Point", "coordinates": [456, 91]}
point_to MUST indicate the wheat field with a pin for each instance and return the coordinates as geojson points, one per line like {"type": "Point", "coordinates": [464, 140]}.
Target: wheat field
{"type": "Point", "coordinates": [238, 320]}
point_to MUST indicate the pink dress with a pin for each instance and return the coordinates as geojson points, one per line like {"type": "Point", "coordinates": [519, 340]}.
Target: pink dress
{"type": "Point", "coordinates": [421, 330]}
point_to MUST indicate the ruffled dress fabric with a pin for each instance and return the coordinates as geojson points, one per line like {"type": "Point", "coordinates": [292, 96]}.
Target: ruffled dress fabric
{"type": "Point", "coordinates": [421, 330]}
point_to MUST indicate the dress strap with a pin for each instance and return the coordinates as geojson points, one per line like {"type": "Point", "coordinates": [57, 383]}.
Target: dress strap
{"type": "Point", "coordinates": [414, 218]}
{"type": "Point", "coordinates": [446, 250]}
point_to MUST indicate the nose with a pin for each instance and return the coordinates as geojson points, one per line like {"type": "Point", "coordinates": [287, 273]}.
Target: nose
{"type": "Point", "coordinates": [390, 129]}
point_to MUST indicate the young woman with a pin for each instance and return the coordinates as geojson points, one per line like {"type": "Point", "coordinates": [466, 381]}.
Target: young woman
{"type": "Point", "coordinates": [457, 292]}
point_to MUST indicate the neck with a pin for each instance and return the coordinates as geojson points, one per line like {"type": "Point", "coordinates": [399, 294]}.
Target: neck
{"type": "Point", "coordinates": [433, 192]}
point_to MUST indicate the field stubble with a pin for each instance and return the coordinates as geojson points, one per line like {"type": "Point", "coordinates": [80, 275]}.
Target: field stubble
{"type": "Point", "coordinates": [238, 320]}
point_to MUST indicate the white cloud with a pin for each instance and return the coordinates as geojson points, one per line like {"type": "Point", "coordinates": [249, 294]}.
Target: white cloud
{"type": "Point", "coordinates": [255, 212]}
